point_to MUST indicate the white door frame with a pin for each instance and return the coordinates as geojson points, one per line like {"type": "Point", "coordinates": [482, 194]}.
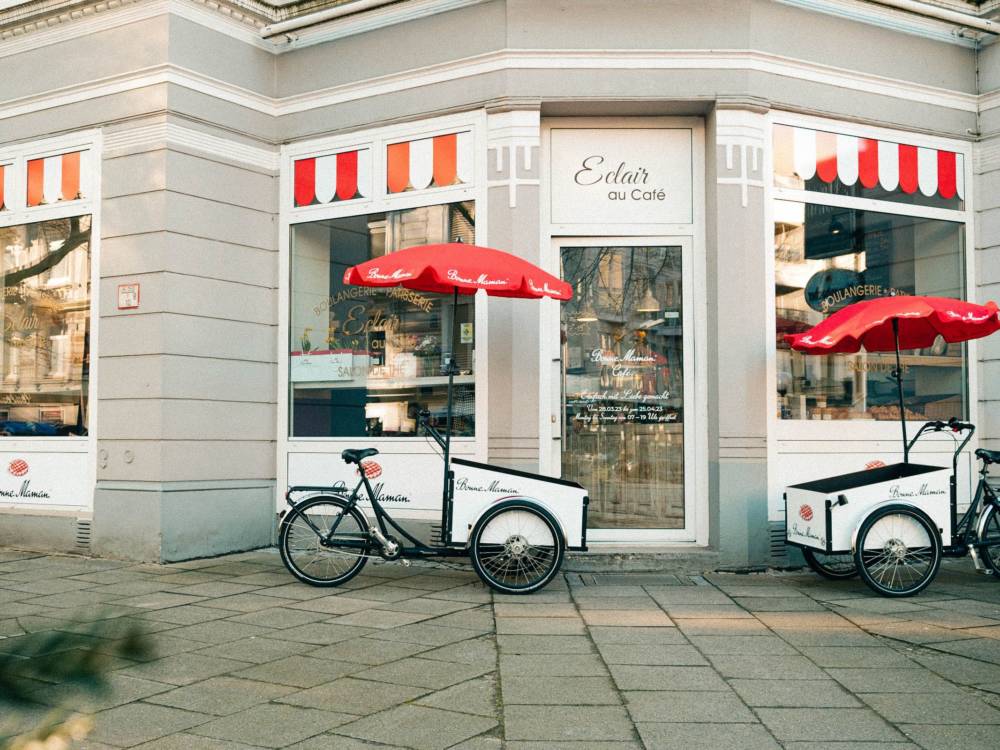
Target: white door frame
{"type": "Point", "coordinates": [695, 402]}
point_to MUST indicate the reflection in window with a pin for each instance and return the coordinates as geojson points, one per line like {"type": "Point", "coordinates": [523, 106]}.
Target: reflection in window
{"type": "Point", "coordinates": [364, 361]}
{"type": "Point", "coordinates": [45, 358]}
{"type": "Point", "coordinates": [828, 257]}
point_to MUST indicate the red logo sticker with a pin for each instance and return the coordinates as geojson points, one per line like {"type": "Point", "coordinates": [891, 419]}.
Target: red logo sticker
{"type": "Point", "coordinates": [371, 469]}
{"type": "Point", "coordinates": [18, 467]}
{"type": "Point", "coordinates": [805, 513]}
{"type": "Point", "coordinates": [876, 464]}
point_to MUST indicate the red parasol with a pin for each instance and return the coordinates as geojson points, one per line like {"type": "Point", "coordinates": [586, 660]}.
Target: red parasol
{"type": "Point", "coordinates": [454, 267]}
{"type": "Point", "coordinates": [888, 324]}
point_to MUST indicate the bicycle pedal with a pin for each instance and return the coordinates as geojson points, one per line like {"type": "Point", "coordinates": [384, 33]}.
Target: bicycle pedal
{"type": "Point", "coordinates": [980, 566]}
{"type": "Point", "coordinates": [405, 562]}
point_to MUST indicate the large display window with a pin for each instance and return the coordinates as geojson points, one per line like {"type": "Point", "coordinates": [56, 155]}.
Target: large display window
{"type": "Point", "coordinates": [45, 352]}
{"type": "Point", "coordinates": [363, 361]}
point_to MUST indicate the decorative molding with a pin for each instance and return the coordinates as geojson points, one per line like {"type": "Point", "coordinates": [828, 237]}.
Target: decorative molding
{"type": "Point", "coordinates": [155, 135]}
{"type": "Point", "coordinates": [742, 131]}
{"type": "Point", "coordinates": [507, 134]}
{"type": "Point", "coordinates": [500, 61]}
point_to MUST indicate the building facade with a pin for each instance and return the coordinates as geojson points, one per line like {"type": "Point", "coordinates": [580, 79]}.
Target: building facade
{"type": "Point", "coordinates": [184, 183]}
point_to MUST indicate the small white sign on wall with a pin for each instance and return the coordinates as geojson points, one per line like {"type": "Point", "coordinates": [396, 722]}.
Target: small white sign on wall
{"type": "Point", "coordinates": [615, 176]}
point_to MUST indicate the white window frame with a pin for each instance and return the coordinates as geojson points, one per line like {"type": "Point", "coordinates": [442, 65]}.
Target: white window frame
{"type": "Point", "coordinates": [379, 201]}
{"type": "Point", "coordinates": [16, 157]}
{"type": "Point", "coordinates": [692, 236]}
{"type": "Point", "coordinates": [789, 439]}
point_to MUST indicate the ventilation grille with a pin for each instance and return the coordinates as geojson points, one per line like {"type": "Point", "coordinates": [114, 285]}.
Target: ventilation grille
{"type": "Point", "coordinates": [82, 542]}
{"type": "Point", "coordinates": [779, 550]}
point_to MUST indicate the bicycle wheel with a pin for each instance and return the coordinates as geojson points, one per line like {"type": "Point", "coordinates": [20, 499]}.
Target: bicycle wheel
{"type": "Point", "coordinates": [835, 567]}
{"type": "Point", "coordinates": [989, 540]}
{"type": "Point", "coordinates": [898, 551]}
{"type": "Point", "coordinates": [516, 548]}
{"type": "Point", "coordinates": [308, 556]}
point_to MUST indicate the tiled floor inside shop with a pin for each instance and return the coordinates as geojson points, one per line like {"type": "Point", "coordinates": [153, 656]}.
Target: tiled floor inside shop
{"type": "Point", "coordinates": [425, 657]}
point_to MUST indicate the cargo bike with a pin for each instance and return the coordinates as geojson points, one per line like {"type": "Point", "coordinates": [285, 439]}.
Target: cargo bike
{"type": "Point", "coordinates": [893, 524]}
{"type": "Point", "coordinates": [515, 526]}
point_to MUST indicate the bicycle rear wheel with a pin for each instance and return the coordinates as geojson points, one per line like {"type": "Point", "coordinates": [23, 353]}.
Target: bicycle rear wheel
{"type": "Point", "coordinates": [834, 567]}
{"type": "Point", "coordinates": [310, 556]}
{"type": "Point", "coordinates": [989, 540]}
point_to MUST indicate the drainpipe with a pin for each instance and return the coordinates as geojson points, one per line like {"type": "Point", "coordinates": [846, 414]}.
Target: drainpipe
{"type": "Point", "coordinates": [943, 14]}
{"type": "Point", "coordinates": [310, 19]}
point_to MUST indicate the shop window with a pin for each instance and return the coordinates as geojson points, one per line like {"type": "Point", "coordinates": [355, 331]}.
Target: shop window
{"type": "Point", "coordinates": [363, 361]}
{"type": "Point", "coordinates": [827, 257]}
{"type": "Point", "coordinates": [45, 357]}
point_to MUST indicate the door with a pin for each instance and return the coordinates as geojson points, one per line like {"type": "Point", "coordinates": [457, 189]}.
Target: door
{"type": "Point", "coordinates": [625, 362]}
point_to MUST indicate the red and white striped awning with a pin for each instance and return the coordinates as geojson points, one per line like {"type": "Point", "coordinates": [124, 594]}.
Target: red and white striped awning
{"type": "Point", "coordinates": [870, 161]}
{"type": "Point", "coordinates": [333, 177]}
{"type": "Point", "coordinates": [6, 185]}
{"type": "Point", "coordinates": [429, 162]}
{"type": "Point", "coordinates": [54, 179]}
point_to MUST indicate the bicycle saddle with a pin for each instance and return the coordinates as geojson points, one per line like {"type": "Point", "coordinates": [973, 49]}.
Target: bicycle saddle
{"type": "Point", "coordinates": [357, 455]}
{"type": "Point", "coordinates": [990, 457]}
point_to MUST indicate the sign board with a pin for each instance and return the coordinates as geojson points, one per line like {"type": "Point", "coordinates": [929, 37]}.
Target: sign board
{"type": "Point", "coordinates": [327, 366]}
{"type": "Point", "coordinates": [609, 176]}
{"type": "Point", "coordinates": [128, 296]}
{"type": "Point", "coordinates": [46, 479]}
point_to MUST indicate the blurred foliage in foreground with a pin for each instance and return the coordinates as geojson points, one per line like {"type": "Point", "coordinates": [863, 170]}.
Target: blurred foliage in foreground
{"type": "Point", "coordinates": [78, 660]}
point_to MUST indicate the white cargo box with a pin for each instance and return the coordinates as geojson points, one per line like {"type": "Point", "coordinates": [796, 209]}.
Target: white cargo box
{"type": "Point", "coordinates": [824, 514]}
{"type": "Point", "coordinates": [478, 486]}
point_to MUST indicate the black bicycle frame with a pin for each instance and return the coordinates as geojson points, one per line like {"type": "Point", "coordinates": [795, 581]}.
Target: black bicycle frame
{"type": "Point", "coordinates": [953, 485]}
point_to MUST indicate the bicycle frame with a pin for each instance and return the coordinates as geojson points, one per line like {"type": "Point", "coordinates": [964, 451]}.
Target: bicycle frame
{"type": "Point", "coordinates": [967, 532]}
{"type": "Point", "coordinates": [957, 540]}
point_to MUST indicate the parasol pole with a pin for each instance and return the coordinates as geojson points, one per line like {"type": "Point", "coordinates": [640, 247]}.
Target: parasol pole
{"type": "Point", "coordinates": [898, 375]}
{"type": "Point", "coordinates": [450, 364]}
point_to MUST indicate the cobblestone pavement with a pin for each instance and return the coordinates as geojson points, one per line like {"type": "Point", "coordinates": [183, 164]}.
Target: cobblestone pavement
{"type": "Point", "coordinates": [425, 657]}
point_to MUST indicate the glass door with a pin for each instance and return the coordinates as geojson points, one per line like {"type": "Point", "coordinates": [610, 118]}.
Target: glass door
{"type": "Point", "coordinates": [623, 366]}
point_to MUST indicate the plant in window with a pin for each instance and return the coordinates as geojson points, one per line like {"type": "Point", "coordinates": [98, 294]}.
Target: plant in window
{"type": "Point", "coordinates": [304, 341]}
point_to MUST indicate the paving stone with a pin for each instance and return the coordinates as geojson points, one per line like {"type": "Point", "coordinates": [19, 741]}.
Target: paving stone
{"type": "Point", "coordinates": [817, 724]}
{"type": "Point", "coordinates": [982, 649]}
{"type": "Point", "coordinates": [918, 632]}
{"type": "Point", "coordinates": [190, 614]}
{"type": "Point", "coordinates": [118, 691]}
{"type": "Point", "coordinates": [775, 604]}
{"type": "Point", "coordinates": [940, 737]}
{"type": "Point", "coordinates": [544, 665]}
{"type": "Point", "coordinates": [479, 651]}
{"type": "Point", "coordinates": [607, 592]}
{"type": "Point", "coordinates": [479, 619]}
{"type": "Point", "coordinates": [368, 651]}
{"type": "Point", "coordinates": [536, 610]}
{"type": "Point", "coordinates": [134, 723]}
{"type": "Point", "coordinates": [668, 595]}
{"type": "Point", "coordinates": [636, 604]}
{"type": "Point", "coordinates": [706, 611]}
{"type": "Point", "coordinates": [567, 723]}
{"type": "Point", "coordinates": [627, 618]}
{"type": "Point", "coordinates": [278, 618]}
{"type": "Point", "coordinates": [932, 709]}
{"type": "Point", "coordinates": [476, 696]}
{"type": "Point", "coordinates": [272, 725]}
{"type": "Point", "coordinates": [539, 626]}
{"type": "Point", "coordinates": [332, 605]}
{"type": "Point", "coordinates": [222, 631]}
{"type": "Point", "coordinates": [947, 618]}
{"type": "Point", "coordinates": [548, 644]}
{"type": "Point", "coordinates": [421, 605]}
{"type": "Point", "coordinates": [697, 736]}
{"type": "Point", "coordinates": [566, 691]}
{"type": "Point", "coordinates": [742, 644]}
{"type": "Point", "coordinates": [298, 591]}
{"type": "Point", "coordinates": [694, 705]}
{"type": "Point", "coordinates": [777, 591]}
{"type": "Point", "coordinates": [427, 634]}
{"type": "Point", "coordinates": [256, 650]}
{"type": "Point", "coordinates": [803, 620]}
{"type": "Point", "coordinates": [299, 671]}
{"type": "Point", "coordinates": [880, 605]}
{"type": "Point", "coordinates": [248, 602]}
{"type": "Point", "coordinates": [901, 680]}
{"type": "Point", "coordinates": [354, 696]}
{"type": "Point", "coordinates": [388, 594]}
{"type": "Point", "coordinates": [846, 637]}
{"type": "Point", "coordinates": [380, 619]}
{"type": "Point", "coordinates": [183, 669]}
{"type": "Point", "coordinates": [419, 672]}
{"type": "Point", "coordinates": [578, 745]}
{"type": "Point", "coordinates": [475, 592]}
{"type": "Point", "coordinates": [166, 644]}
{"type": "Point", "coordinates": [160, 600]}
{"type": "Point", "coordinates": [221, 695]}
{"type": "Point", "coordinates": [766, 667]}
{"type": "Point", "coordinates": [322, 633]}
{"type": "Point", "coordinates": [185, 741]}
{"type": "Point", "coordinates": [424, 728]}
{"type": "Point", "coordinates": [959, 669]}
{"type": "Point", "coordinates": [651, 654]}
{"type": "Point", "coordinates": [339, 742]}
{"type": "Point", "coordinates": [823, 693]}
{"type": "Point", "coordinates": [826, 745]}
{"type": "Point", "coordinates": [667, 678]}
{"type": "Point", "coordinates": [839, 656]}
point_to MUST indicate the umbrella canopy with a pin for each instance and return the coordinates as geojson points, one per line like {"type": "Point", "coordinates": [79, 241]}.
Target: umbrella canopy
{"type": "Point", "coordinates": [920, 320]}
{"type": "Point", "coordinates": [455, 267]}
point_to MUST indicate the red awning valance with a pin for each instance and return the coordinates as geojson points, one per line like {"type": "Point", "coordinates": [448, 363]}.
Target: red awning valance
{"type": "Point", "coordinates": [333, 177]}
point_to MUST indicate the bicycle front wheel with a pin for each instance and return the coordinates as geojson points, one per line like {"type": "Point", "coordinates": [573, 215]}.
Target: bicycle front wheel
{"type": "Point", "coordinates": [516, 548]}
{"type": "Point", "coordinates": [898, 551]}
{"type": "Point", "coordinates": [989, 540]}
{"type": "Point", "coordinates": [315, 556]}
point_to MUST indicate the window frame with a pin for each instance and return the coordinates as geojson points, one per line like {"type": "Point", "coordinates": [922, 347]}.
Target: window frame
{"type": "Point", "coordinates": [861, 429]}
{"type": "Point", "coordinates": [379, 201]}
{"type": "Point", "coordinates": [81, 447]}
